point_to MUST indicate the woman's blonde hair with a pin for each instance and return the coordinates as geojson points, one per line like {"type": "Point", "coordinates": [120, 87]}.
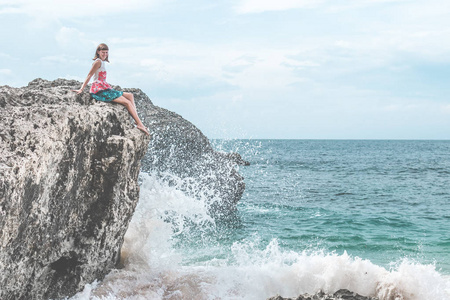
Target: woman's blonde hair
{"type": "Point", "coordinates": [99, 48]}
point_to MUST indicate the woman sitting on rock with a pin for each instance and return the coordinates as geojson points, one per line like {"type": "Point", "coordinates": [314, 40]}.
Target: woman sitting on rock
{"type": "Point", "coordinates": [102, 91]}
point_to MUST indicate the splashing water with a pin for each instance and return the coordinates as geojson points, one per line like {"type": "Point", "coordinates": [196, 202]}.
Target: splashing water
{"type": "Point", "coordinates": [162, 262]}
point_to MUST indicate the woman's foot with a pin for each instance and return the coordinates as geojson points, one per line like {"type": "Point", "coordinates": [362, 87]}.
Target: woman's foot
{"type": "Point", "coordinates": [143, 129]}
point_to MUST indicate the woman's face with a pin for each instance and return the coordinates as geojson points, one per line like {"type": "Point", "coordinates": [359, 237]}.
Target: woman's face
{"type": "Point", "coordinates": [103, 54]}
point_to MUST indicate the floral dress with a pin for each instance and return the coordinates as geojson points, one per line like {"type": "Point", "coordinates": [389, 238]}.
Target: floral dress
{"type": "Point", "coordinates": [100, 89]}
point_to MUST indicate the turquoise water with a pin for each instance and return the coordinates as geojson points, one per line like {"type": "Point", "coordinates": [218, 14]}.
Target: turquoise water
{"type": "Point", "coordinates": [368, 216]}
{"type": "Point", "coordinates": [379, 200]}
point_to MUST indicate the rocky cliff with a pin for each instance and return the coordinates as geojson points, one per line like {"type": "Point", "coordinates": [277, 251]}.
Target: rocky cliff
{"type": "Point", "coordinates": [69, 171]}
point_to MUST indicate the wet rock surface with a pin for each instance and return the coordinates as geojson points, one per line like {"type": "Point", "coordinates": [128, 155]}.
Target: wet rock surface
{"type": "Point", "coordinates": [182, 155]}
{"type": "Point", "coordinates": [342, 294]}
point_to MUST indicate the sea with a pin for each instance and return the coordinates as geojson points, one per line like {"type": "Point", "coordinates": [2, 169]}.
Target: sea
{"type": "Point", "coordinates": [370, 216]}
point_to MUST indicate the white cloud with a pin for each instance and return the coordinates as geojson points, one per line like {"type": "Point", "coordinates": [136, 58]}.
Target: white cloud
{"type": "Point", "coordinates": [258, 6]}
{"type": "Point", "coordinates": [5, 56]}
{"type": "Point", "coordinates": [300, 64]}
{"type": "Point", "coordinates": [240, 64]}
{"type": "Point", "coordinates": [445, 108]}
{"type": "Point", "coordinates": [5, 71]}
{"type": "Point", "coordinates": [66, 36]}
{"type": "Point", "coordinates": [9, 10]}
{"type": "Point", "coordinates": [58, 59]}
{"type": "Point", "coordinates": [157, 67]}
{"type": "Point", "coordinates": [73, 42]}
{"type": "Point", "coordinates": [54, 9]}
{"type": "Point", "coordinates": [178, 63]}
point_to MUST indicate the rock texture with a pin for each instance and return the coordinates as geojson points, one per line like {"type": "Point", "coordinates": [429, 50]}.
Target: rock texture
{"type": "Point", "coordinates": [339, 295]}
{"type": "Point", "coordinates": [180, 154]}
{"type": "Point", "coordinates": [69, 182]}
{"type": "Point", "coordinates": [69, 171]}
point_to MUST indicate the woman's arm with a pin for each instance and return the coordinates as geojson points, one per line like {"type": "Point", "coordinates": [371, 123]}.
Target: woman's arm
{"type": "Point", "coordinates": [97, 64]}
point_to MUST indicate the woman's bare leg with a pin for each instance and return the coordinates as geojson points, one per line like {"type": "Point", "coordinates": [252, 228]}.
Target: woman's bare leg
{"type": "Point", "coordinates": [130, 97]}
{"type": "Point", "coordinates": [130, 106]}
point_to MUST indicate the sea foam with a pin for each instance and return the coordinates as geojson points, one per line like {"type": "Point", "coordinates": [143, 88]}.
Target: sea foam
{"type": "Point", "coordinates": [154, 265]}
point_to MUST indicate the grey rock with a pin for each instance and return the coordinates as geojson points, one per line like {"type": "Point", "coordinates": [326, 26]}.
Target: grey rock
{"type": "Point", "coordinates": [342, 294]}
{"type": "Point", "coordinates": [180, 151]}
{"type": "Point", "coordinates": [69, 171]}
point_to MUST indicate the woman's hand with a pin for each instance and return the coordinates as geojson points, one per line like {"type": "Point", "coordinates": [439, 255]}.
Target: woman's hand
{"type": "Point", "coordinates": [78, 91]}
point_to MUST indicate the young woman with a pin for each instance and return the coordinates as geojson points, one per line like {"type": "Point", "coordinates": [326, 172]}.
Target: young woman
{"type": "Point", "coordinates": [102, 91]}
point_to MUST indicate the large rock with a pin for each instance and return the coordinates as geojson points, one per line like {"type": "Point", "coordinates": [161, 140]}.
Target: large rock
{"type": "Point", "coordinates": [69, 171]}
{"type": "Point", "coordinates": [180, 154]}
{"type": "Point", "coordinates": [68, 182]}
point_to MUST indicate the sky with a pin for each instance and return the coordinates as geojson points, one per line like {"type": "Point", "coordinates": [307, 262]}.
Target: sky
{"type": "Point", "coordinates": [285, 69]}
